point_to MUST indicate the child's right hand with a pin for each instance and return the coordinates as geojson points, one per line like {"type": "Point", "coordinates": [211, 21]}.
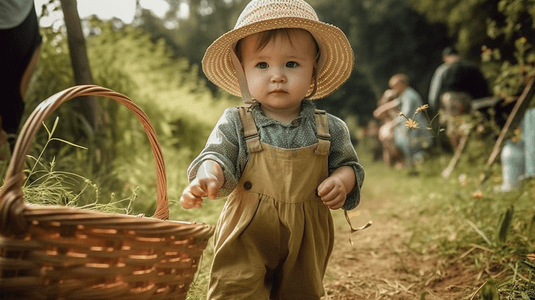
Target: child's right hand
{"type": "Point", "coordinates": [197, 189]}
{"type": "Point", "coordinates": [208, 182]}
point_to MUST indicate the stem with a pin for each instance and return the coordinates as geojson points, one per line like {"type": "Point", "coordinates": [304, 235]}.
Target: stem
{"type": "Point", "coordinates": [36, 162]}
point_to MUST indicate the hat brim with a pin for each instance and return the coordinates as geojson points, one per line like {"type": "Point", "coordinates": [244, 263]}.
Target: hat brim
{"type": "Point", "coordinates": [335, 50]}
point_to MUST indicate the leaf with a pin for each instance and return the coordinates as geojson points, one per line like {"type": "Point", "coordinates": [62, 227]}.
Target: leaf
{"type": "Point", "coordinates": [490, 291]}
{"type": "Point", "coordinates": [529, 265]}
{"type": "Point", "coordinates": [68, 143]}
{"type": "Point", "coordinates": [505, 223]}
{"type": "Point", "coordinates": [54, 127]}
{"type": "Point", "coordinates": [47, 130]}
{"type": "Point", "coordinates": [531, 230]}
{"type": "Point", "coordinates": [479, 232]}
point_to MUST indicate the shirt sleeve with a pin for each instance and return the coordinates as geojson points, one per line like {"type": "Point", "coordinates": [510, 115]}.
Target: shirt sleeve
{"type": "Point", "coordinates": [434, 89]}
{"type": "Point", "coordinates": [342, 153]}
{"type": "Point", "coordinates": [225, 147]}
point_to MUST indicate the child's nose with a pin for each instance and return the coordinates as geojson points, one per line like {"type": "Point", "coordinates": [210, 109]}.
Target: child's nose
{"type": "Point", "coordinates": [278, 76]}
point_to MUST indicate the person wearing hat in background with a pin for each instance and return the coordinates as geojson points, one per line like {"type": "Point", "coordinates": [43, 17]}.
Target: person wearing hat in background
{"type": "Point", "coordinates": [453, 87]}
{"type": "Point", "coordinates": [284, 163]}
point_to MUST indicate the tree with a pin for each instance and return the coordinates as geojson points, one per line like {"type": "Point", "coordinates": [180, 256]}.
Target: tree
{"type": "Point", "coordinates": [387, 36]}
{"type": "Point", "coordinates": [80, 64]}
{"type": "Point", "coordinates": [500, 32]}
{"type": "Point", "coordinates": [189, 37]}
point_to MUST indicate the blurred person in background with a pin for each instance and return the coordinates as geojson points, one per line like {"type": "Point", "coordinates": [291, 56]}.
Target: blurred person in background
{"type": "Point", "coordinates": [410, 132]}
{"type": "Point", "coordinates": [20, 42]}
{"type": "Point", "coordinates": [453, 87]}
{"type": "Point", "coordinates": [390, 153]}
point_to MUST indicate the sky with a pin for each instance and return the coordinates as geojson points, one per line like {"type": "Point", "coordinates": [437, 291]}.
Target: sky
{"type": "Point", "coordinates": [107, 9]}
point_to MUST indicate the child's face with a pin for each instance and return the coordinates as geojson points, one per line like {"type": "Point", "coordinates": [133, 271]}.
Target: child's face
{"type": "Point", "coordinates": [280, 74]}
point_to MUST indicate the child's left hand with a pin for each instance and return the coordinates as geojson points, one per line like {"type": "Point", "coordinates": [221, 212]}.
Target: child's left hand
{"type": "Point", "coordinates": [332, 192]}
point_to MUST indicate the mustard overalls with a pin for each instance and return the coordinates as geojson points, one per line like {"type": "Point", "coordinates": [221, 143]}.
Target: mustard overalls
{"type": "Point", "coordinates": [275, 235]}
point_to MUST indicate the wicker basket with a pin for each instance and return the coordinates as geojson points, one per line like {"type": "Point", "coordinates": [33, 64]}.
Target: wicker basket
{"type": "Point", "coordinates": [54, 252]}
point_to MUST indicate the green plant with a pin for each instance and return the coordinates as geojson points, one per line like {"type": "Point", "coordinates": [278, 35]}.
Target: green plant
{"type": "Point", "coordinates": [45, 185]}
{"type": "Point", "coordinates": [490, 291]}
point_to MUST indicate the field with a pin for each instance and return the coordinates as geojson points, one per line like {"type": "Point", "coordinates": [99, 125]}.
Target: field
{"type": "Point", "coordinates": [431, 238]}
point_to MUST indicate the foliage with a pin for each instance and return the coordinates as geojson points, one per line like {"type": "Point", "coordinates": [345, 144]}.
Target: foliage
{"type": "Point", "coordinates": [171, 94]}
{"type": "Point", "coordinates": [465, 20]}
{"type": "Point", "coordinates": [387, 37]}
{"type": "Point", "coordinates": [500, 33]}
{"type": "Point", "coordinates": [514, 71]}
{"type": "Point", "coordinates": [473, 224]}
{"type": "Point", "coordinates": [44, 185]}
{"type": "Point", "coordinates": [126, 60]}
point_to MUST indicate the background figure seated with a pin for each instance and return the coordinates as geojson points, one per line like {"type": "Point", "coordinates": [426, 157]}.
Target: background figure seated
{"type": "Point", "coordinates": [453, 106]}
{"type": "Point", "coordinates": [412, 139]}
{"type": "Point", "coordinates": [386, 113]}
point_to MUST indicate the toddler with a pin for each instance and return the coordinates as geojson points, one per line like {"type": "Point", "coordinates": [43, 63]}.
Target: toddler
{"type": "Point", "coordinates": [282, 163]}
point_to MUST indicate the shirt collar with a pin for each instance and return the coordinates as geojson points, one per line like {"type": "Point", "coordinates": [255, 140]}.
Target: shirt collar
{"type": "Point", "coordinates": [306, 112]}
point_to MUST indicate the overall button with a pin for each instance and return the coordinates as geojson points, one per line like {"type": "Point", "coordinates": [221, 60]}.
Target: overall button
{"type": "Point", "coordinates": [247, 185]}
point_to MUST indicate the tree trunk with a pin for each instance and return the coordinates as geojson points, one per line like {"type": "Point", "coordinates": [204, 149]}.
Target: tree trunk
{"type": "Point", "coordinates": [89, 106]}
{"type": "Point", "coordinates": [80, 64]}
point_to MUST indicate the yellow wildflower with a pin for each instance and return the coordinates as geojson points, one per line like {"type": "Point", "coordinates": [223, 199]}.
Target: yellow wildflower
{"type": "Point", "coordinates": [477, 194]}
{"type": "Point", "coordinates": [410, 123]}
{"type": "Point", "coordinates": [422, 108]}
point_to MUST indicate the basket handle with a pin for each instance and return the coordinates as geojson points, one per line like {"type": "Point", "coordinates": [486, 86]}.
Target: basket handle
{"type": "Point", "coordinates": [11, 198]}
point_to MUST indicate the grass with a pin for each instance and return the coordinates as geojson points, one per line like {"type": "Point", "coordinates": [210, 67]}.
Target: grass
{"type": "Point", "coordinates": [458, 218]}
{"type": "Point", "coordinates": [462, 219]}
{"type": "Point", "coordinates": [45, 185]}
{"type": "Point", "coordinates": [467, 221]}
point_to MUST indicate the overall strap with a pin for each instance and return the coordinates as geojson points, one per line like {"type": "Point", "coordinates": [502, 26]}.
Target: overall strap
{"type": "Point", "coordinates": [250, 133]}
{"type": "Point", "coordinates": [322, 128]}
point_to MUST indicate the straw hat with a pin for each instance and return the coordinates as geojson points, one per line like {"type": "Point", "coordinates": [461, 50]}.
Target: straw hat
{"type": "Point", "coordinates": [336, 56]}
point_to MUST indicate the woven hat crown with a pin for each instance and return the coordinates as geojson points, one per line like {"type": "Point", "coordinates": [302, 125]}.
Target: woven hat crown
{"type": "Point", "coordinates": [261, 10]}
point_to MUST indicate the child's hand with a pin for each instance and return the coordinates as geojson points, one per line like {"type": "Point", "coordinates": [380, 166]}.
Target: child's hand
{"type": "Point", "coordinates": [197, 189]}
{"type": "Point", "coordinates": [209, 180]}
{"type": "Point", "coordinates": [332, 192]}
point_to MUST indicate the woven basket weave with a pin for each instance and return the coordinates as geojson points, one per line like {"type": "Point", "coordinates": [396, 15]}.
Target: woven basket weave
{"type": "Point", "coordinates": [55, 252]}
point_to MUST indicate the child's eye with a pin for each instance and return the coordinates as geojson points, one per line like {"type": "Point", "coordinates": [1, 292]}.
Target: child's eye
{"type": "Point", "coordinates": [262, 65]}
{"type": "Point", "coordinates": [291, 64]}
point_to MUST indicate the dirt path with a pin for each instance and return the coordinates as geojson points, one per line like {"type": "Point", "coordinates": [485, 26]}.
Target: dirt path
{"type": "Point", "coordinates": [380, 265]}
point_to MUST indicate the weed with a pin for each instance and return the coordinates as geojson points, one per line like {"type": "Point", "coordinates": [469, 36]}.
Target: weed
{"type": "Point", "coordinates": [44, 185]}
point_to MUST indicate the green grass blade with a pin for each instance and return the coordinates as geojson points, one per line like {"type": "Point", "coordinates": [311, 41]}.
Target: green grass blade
{"type": "Point", "coordinates": [479, 232]}
{"type": "Point", "coordinates": [507, 217]}
{"type": "Point", "coordinates": [490, 291]}
{"type": "Point", "coordinates": [68, 143]}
